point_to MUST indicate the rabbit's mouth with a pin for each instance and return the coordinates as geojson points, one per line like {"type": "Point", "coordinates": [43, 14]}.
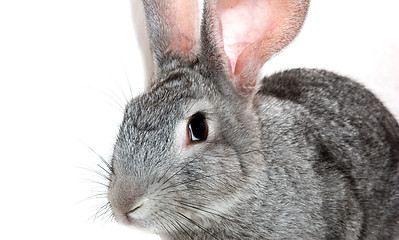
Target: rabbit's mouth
{"type": "Point", "coordinates": [135, 213]}
{"type": "Point", "coordinates": [138, 217]}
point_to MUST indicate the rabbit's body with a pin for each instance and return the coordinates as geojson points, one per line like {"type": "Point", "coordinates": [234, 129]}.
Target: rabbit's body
{"type": "Point", "coordinates": [348, 142]}
{"type": "Point", "coordinates": [208, 153]}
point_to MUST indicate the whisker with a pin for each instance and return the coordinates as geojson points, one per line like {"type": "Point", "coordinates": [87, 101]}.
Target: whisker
{"type": "Point", "coordinates": [95, 196]}
{"type": "Point", "coordinates": [173, 175]}
{"type": "Point", "coordinates": [235, 154]}
{"type": "Point", "coordinates": [102, 174]}
{"type": "Point", "coordinates": [99, 179]}
{"type": "Point", "coordinates": [115, 99]}
{"type": "Point", "coordinates": [160, 223]}
{"type": "Point", "coordinates": [154, 167]}
{"type": "Point", "coordinates": [128, 82]}
{"type": "Point", "coordinates": [181, 227]}
{"type": "Point", "coordinates": [176, 227]}
{"type": "Point", "coordinates": [197, 179]}
{"type": "Point", "coordinates": [96, 182]}
{"type": "Point", "coordinates": [195, 159]}
{"type": "Point", "coordinates": [121, 103]}
{"type": "Point", "coordinates": [108, 168]}
{"type": "Point", "coordinates": [184, 227]}
{"type": "Point", "coordinates": [203, 208]}
{"type": "Point", "coordinates": [164, 174]}
{"type": "Point", "coordinates": [124, 95]}
{"type": "Point", "coordinates": [102, 211]}
{"type": "Point", "coordinates": [198, 225]}
{"type": "Point", "coordinates": [109, 217]}
{"type": "Point", "coordinates": [167, 221]}
{"type": "Point", "coordinates": [98, 211]}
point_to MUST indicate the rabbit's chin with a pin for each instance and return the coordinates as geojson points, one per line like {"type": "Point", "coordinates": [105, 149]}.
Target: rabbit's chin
{"type": "Point", "coordinates": [136, 224]}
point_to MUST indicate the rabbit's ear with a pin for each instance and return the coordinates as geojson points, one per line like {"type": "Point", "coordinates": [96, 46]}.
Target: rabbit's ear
{"type": "Point", "coordinates": [249, 32]}
{"type": "Point", "coordinates": [173, 29]}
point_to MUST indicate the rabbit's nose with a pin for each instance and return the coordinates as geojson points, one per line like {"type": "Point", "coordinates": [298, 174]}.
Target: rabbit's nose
{"type": "Point", "coordinates": [125, 197]}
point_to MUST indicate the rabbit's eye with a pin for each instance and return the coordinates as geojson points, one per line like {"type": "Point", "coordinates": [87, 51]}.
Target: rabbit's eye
{"type": "Point", "coordinates": [197, 128]}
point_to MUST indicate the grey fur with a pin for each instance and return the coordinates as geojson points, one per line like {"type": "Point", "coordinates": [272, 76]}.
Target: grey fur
{"type": "Point", "coordinates": [312, 155]}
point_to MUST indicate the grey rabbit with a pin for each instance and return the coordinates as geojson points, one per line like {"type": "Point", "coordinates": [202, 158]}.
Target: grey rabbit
{"type": "Point", "coordinates": [212, 152]}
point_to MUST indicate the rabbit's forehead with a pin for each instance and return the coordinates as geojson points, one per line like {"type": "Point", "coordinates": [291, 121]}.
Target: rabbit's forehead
{"type": "Point", "coordinates": [151, 115]}
{"type": "Point", "coordinates": [156, 109]}
{"type": "Point", "coordinates": [167, 101]}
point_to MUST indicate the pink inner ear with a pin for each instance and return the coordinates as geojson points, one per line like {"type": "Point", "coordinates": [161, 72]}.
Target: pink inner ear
{"type": "Point", "coordinates": [243, 23]}
{"type": "Point", "coordinates": [254, 30]}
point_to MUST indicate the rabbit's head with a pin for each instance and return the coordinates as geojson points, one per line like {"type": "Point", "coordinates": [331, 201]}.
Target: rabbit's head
{"type": "Point", "coordinates": [189, 148]}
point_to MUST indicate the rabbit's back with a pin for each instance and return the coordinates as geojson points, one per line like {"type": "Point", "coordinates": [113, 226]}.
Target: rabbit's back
{"type": "Point", "coordinates": [348, 136]}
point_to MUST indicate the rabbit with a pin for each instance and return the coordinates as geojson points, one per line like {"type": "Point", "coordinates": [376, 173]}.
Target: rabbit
{"type": "Point", "coordinates": [211, 151]}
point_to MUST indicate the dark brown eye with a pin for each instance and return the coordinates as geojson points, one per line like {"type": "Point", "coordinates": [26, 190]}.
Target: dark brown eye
{"type": "Point", "coordinates": [197, 128]}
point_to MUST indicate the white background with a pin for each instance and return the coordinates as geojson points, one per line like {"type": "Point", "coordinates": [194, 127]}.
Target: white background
{"type": "Point", "coordinates": [66, 66]}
